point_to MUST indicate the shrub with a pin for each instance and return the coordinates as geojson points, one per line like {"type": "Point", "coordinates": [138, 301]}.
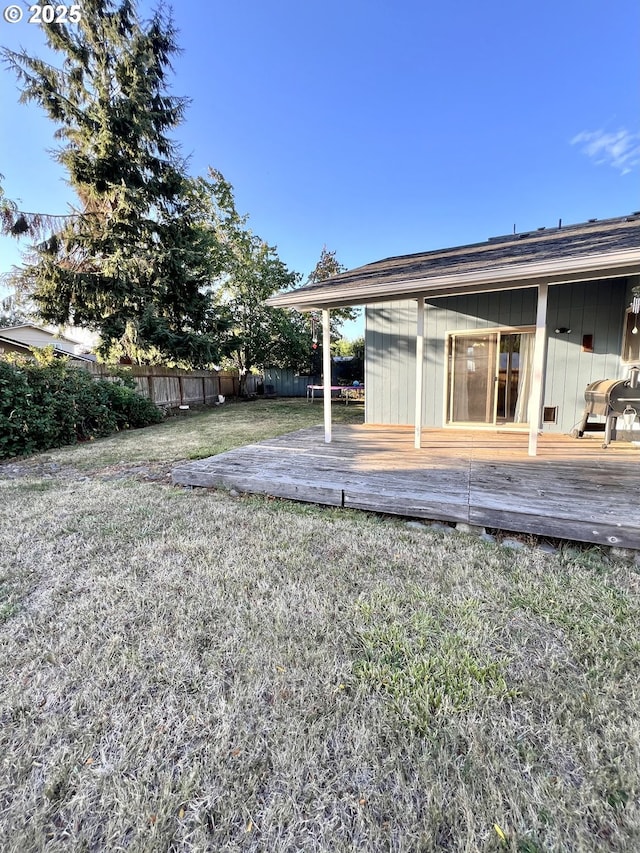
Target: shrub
{"type": "Point", "coordinates": [49, 404]}
{"type": "Point", "coordinates": [130, 409]}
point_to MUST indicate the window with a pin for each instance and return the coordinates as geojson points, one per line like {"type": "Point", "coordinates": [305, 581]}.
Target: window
{"type": "Point", "coordinates": [631, 340]}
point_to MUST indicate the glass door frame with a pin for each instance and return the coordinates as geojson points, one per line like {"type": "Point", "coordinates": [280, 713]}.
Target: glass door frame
{"type": "Point", "coordinates": [498, 331]}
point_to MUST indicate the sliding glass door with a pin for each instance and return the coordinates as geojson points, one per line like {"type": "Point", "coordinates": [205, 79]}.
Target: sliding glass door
{"type": "Point", "coordinates": [489, 377]}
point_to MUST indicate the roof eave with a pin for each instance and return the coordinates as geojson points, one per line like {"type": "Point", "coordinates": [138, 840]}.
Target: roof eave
{"type": "Point", "coordinates": [513, 276]}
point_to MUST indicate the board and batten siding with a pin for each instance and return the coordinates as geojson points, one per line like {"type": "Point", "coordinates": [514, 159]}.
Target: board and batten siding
{"type": "Point", "coordinates": [389, 368]}
{"type": "Point", "coordinates": [587, 308]}
{"type": "Point", "coordinates": [594, 308]}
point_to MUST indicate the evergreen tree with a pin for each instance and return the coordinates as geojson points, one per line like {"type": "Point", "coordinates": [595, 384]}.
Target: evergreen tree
{"type": "Point", "coordinates": [130, 261]}
{"type": "Point", "coordinates": [14, 311]}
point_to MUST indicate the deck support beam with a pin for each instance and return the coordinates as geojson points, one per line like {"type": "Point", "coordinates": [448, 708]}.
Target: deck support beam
{"type": "Point", "coordinates": [539, 359]}
{"type": "Point", "coordinates": [326, 373]}
{"type": "Point", "coordinates": [419, 372]}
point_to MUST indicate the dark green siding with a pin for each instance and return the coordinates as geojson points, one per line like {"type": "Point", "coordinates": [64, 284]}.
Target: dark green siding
{"type": "Point", "coordinates": [594, 308]}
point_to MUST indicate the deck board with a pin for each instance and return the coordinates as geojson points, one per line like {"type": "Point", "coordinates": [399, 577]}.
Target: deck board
{"type": "Point", "coordinates": [573, 489]}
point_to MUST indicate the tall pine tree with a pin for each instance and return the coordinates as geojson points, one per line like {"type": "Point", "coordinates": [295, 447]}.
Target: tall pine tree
{"type": "Point", "coordinates": [131, 261]}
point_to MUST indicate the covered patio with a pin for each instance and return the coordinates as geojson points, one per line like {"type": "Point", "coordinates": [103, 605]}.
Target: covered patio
{"type": "Point", "coordinates": [572, 489]}
{"type": "Point", "coordinates": [538, 262]}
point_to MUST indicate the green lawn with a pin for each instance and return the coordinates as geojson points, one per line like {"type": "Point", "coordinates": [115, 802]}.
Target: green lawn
{"type": "Point", "coordinates": [186, 671]}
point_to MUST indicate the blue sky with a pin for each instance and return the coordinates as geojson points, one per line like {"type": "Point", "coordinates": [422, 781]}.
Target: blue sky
{"type": "Point", "coordinates": [380, 128]}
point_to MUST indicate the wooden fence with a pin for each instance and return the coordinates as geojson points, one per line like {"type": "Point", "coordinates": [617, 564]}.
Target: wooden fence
{"type": "Point", "coordinates": [171, 387]}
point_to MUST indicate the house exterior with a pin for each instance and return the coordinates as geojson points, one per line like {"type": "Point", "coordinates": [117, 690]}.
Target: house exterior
{"type": "Point", "coordinates": [19, 339]}
{"type": "Point", "coordinates": [471, 340]}
{"type": "Point", "coordinates": [504, 334]}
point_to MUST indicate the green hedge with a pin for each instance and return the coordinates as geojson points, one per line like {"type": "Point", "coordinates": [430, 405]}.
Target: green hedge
{"type": "Point", "coordinates": [50, 405]}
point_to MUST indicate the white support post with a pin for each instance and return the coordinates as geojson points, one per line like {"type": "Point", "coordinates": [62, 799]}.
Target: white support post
{"type": "Point", "coordinates": [539, 359]}
{"type": "Point", "coordinates": [419, 373]}
{"type": "Point", "coordinates": [326, 373]}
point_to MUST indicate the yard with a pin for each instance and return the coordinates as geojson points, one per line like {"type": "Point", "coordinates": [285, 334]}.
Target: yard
{"type": "Point", "coordinates": [191, 670]}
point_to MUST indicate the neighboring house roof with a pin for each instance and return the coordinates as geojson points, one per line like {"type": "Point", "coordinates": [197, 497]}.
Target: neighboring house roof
{"type": "Point", "coordinates": [595, 249]}
{"type": "Point", "coordinates": [28, 335]}
{"type": "Point", "coordinates": [27, 349]}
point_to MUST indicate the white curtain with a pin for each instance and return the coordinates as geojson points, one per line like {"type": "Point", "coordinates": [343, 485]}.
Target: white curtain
{"type": "Point", "coordinates": [525, 377]}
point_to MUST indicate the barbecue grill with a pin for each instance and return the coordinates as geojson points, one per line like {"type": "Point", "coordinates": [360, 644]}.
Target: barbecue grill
{"type": "Point", "coordinates": [611, 399]}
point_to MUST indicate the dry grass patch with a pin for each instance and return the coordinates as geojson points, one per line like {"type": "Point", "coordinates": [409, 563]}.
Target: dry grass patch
{"type": "Point", "coordinates": [183, 671]}
{"type": "Point", "coordinates": [198, 434]}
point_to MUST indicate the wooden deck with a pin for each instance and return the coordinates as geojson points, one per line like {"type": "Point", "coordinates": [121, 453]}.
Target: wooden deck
{"type": "Point", "coordinates": [573, 489]}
